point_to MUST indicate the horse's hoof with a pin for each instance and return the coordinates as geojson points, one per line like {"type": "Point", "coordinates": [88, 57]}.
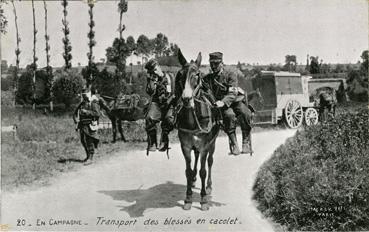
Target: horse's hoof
{"type": "Point", "coordinates": [113, 141]}
{"type": "Point", "coordinates": [205, 207]}
{"type": "Point", "coordinates": [187, 206]}
{"type": "Point", "coordinates": [208, 190]}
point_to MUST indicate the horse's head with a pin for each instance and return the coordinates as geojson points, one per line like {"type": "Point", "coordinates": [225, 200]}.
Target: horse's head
{"type": "Point", "coordinates": [191, 75]}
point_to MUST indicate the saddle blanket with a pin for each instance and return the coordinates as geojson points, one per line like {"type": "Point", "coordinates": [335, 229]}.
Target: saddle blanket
{"type": "Point", "coordinates": [127, 101]}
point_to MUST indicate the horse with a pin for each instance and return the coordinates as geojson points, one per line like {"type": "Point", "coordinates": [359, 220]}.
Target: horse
{"type": "Point", "coordinates": [117, 115]}
{"type": "Point", "coordinates": [197, 130]}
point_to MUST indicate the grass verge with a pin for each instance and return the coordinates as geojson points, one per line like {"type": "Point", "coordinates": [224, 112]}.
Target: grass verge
{"type": "Point", "coordinates": [319, 179]}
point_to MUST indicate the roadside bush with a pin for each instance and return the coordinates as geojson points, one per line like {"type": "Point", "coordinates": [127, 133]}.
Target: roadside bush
{"type": "Point", "coordinates": [7, 83]}
{"type": "Point", "coordinates": [68, 84]}
{"type": "Point", "coordinates": [108, 84]}
{"type": "Point", "coordinates": [24, 92]}
{"type": "Point", "coordinates": [25, 87]}
{"type": "Point", "coordinates": [319, 179]}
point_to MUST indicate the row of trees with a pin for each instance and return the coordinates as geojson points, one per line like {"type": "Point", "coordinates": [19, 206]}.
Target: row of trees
{"type": "Point", "coordinates": [143, 47]}
{"type": "Point", "coordinates": [68, 83]}
{"type": "Point", "coordinates": [315, 65]}
{"type": "Point", "coordinates": [44, 77]}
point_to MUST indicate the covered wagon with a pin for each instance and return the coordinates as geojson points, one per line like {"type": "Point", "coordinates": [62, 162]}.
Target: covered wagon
{"type": "Point", "coordinates": [290, 97]}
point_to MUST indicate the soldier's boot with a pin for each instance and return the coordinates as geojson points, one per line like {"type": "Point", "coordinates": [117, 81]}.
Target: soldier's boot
{"type": "Point", "coordinates": [88, 159]}
{"type": "Point", "coordinates": [246, 143]}
{"type": "Point", "coordinates": [151, 140]}
{"type": "Point", "coordinates": [233, 144]}
{"type": "Point", "coordinates": [164, 142]}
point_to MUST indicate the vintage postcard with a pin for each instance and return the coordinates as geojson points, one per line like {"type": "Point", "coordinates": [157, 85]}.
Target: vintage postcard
{"type": "Point", "coordinates": [184, 115]}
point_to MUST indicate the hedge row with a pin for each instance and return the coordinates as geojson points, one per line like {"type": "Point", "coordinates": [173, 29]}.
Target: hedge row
{"type": "Point", "coordinates": [319, 179]}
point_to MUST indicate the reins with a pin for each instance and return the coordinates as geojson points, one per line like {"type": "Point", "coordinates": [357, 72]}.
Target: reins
{"type": "Point", "coordinates": [198, 124]}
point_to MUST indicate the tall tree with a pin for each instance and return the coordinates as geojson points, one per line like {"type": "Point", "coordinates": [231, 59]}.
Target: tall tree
{"type": "Point", "coordinates": [314, 65]}
{"type": "Point", "coordinates": [122, 8]}
{"type": "Point", "coordinates": [17, 52]}
{"type": "Point", "coordinates": [364, 64]}
{"type": "Point", "coordinates": [160, 44]}
{"type": "Point", "coordinates": [118, 54]}
{"type": "Point", "coordinates": [67, 55]}
{"type": "Point", "coordinates": [34, 64]}
{"type": "Point", "coordinates": [91, 43]}
{"type": "Point", "coordinates": [144, 47]}
{"type": "Point", "coordinates": [290, 63]}
{"type": "Point", "coordinates": [47, 45]}
{"type": "Point", "coordinates": [131, 44]}
{"type": "Point", "coordinates": [49, 71]}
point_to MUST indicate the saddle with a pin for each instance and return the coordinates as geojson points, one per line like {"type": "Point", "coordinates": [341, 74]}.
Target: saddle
{"type": "Point", "coordinates": [126, 102]}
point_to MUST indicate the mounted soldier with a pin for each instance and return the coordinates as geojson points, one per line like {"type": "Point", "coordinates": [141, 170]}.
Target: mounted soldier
{"type": "Point", "coordinates": [231, 100]}
{"type": "Point", "coordinates": [86, 116]}
{"type": "Point", "coordinates": [160, 88]}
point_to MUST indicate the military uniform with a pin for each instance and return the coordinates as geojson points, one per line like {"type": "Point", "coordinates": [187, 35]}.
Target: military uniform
{"type": "Point", "coordinates": [88, 114]}
{"type": "Point", "coordinates": [160, 108]}
{"type": "Point", "coordinates": [224, 86]}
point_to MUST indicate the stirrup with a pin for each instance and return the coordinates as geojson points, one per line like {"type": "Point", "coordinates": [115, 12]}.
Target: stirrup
{"type": "Point", "coordinates": [150, 148]}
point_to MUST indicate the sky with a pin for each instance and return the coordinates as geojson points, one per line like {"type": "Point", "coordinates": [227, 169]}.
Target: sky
{"type": "Point", "coordinates": [250, 31]}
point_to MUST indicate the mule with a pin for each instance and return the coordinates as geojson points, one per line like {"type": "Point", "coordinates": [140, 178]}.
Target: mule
{"type": "Point", "coordinates": [117, 115]}
{"type": "Point", "coordinates": [197, 130]}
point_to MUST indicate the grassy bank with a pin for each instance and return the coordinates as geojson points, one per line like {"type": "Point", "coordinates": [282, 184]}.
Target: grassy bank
{"type": "Point", "coordinates": [43, 140]}
{"type": "Point", "coordinates": [319, 179]}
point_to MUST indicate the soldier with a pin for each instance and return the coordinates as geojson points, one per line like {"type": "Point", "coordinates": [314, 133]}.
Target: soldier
{"type": "Point", "coordinates": [86, 116]}
{"type": "Point", "coordinates": [224, 85]}
{"type": "Point", "coordinates": [159, 87]}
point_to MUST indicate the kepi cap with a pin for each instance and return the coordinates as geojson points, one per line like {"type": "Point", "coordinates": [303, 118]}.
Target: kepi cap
{"type": "Point", "coordinates": [150, 65]}
{"type": "Point", "coordinates": [216, 56]}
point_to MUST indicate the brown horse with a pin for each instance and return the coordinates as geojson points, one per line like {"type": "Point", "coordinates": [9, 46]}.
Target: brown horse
{"type": "Point", "coordinates": [197, 130]}
{"type": "Point", "coordinates": [117, 115]}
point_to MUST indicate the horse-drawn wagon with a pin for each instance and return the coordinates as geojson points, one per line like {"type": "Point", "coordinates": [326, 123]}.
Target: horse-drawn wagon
{"type": "Point", "coordinates": [291, 97]}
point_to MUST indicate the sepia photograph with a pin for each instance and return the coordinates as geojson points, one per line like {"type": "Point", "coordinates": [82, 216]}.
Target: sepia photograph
{"type": "Point", "coordinates": [184, 115]}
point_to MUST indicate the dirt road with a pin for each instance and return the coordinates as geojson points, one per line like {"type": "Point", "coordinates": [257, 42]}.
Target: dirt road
{"type": "Point", "coordinates": [146, 193]}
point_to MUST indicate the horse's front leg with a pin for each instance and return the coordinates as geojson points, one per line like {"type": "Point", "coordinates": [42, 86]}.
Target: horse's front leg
{"type": "Point", "coordinates": [121, 130]}
{"type": "Point", "coordinates": [194, 174]}
{"type": "Point", "coordinates": [210, 164]}
{"type": "Point", "coordinates": [189, 176]}
{"type": "Point", "coordinates": [114, 129]}
{"type": "Point", "coordinates": [204, 199]}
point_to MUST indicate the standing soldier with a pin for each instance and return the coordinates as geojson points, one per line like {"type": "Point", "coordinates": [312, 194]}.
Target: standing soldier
{"type": "Point", "coordinates": [86, 116]}
{"type": "Point", "coordinates": [159, 87]}
{"type": "Point", "coordinates": [224, 85]}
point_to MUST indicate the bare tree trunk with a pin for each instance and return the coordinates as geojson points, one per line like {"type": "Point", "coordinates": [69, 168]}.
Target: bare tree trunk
{"type": "Point", "coordinates": [34, 55]}
{"type": "Point", "coordinates": [91, 44]}
{"type": "Point", "coordinates": [120, 25]}
{"type": "Point", "coordinates": [17, 53]}
{"type": "Point", "coordinates": [48, 68]}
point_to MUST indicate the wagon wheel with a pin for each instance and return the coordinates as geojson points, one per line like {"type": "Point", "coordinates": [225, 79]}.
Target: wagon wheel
{"type": "Point", "coordinates": [293, 114]}
{"type": "Point", "coordinates": [311, 116]}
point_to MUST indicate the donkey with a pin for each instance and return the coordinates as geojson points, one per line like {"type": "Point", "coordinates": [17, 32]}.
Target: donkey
{"type": "Point", "coordinates": [197, 130]}
{"type": "Point", "coordinates": [117, 115]}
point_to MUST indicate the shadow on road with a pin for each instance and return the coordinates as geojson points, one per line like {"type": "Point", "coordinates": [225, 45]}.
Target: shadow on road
{"type": "Point", "coordinates": [157, 197]}
{"type": "Point", "coordinates": [63, 161]}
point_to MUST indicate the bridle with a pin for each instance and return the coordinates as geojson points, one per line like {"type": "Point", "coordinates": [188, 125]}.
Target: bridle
{"type": "Point", "coordinates": [195, 97]}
